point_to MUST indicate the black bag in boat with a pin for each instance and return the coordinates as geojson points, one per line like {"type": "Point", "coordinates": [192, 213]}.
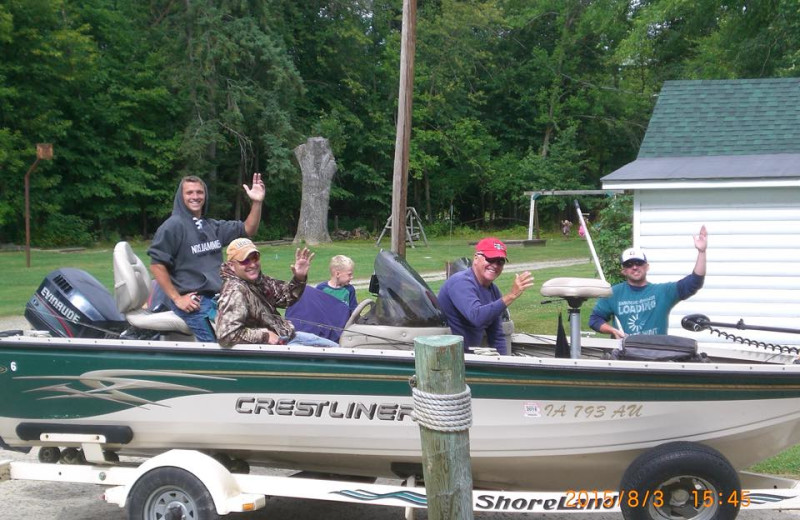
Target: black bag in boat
{"type": "Point", "coordinates": [660, 347]}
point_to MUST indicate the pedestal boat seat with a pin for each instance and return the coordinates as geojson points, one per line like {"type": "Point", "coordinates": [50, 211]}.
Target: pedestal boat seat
{"type": "Point", "coordinates": [132, 285]}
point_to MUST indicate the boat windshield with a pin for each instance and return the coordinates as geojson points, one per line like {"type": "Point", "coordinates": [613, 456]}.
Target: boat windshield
{"type": "Point", "coordinates": [404, 298]}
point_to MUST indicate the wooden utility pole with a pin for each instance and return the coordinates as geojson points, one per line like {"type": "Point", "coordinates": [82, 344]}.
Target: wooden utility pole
{"type": "Point", "coordinates": [44, 152]}
{"type": "Point", "coordinates": [403, 136]}
{"type": "Point", "coordinates": [443, 411]}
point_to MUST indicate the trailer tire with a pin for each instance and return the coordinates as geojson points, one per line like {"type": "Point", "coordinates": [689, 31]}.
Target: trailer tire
{"type": "Point", "coordinates": [170, 493]}
{"type": "Point", "coordinates": [72, 456]}
{"type": "Point", "coordinates": [49, 454]}
{"type": "Point", "coordinates": [680, 480]}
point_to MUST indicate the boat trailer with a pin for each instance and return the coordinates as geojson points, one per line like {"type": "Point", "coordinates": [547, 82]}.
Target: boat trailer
{"type": "Point", "coordinates": [191, 484]}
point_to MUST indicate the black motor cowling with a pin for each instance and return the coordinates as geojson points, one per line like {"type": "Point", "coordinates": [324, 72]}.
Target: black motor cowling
{"type": "Point", "coordinates": [71, 303]}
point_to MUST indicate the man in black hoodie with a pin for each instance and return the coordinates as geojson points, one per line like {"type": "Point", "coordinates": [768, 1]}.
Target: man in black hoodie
{"type": "Point", "coordinates": [186, 251]}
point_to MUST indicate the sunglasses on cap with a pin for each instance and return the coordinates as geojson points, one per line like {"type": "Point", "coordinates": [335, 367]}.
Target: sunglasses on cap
{"type": "Point", "coordinates": [630, 263]}
{"type": "Point", "coordinates": [496, 261]}
{"type": "Point", "coordinates": [252, 258]}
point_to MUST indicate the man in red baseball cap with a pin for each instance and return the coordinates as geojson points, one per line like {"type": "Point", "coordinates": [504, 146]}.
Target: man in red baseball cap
{"type": "Point", "coordinates": [474, 305]}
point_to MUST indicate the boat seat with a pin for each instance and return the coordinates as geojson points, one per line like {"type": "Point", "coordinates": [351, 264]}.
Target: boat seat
{"type": "Point", "coordinates": [131, 291]}
{"type": "Point", "coordinates": [576, 290]}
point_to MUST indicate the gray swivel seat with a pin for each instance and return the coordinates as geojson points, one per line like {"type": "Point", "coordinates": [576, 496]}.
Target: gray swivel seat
{"type": "Point", "coordinates": [131, 291]}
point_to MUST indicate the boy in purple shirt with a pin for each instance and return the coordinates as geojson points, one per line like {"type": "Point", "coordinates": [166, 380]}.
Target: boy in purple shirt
{"type": "Point", "coordinates": [472, 302]}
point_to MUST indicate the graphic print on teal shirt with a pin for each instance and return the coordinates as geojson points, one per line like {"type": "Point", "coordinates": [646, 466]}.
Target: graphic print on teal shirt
{"type": "Point", "coordinates": [643, 310]}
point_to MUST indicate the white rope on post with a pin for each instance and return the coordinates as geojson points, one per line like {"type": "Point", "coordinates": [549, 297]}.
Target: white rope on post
{"type": "Point", "coordinates": [442, 413]}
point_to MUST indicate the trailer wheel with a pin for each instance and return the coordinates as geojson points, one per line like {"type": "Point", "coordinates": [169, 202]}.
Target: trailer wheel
{"type": "Point", "coordinates": [72, 456]}
{"type": "Point", "coordinates": [680, 480]}
{"type": "Point", "coordinates": [170, 493]}
{"type": "Point", "coordinates": [49, 454]}
{"type": "Point", "coordinates": [110, 456]}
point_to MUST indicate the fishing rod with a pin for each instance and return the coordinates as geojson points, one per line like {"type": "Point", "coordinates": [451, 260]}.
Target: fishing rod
{"type": "Point", "coordinates": [582, 224]}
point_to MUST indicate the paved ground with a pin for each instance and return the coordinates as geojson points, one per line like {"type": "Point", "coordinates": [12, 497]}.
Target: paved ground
{"type": "Point", "coordinates": [14, 323]}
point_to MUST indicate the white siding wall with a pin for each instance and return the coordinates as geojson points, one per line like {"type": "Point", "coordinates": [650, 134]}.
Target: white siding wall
{"type": "Point", "coordinates": [753, 254]}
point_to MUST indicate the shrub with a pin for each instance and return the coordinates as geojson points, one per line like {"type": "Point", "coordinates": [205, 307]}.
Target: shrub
{"type": "Point", "coordinates": [273, 231]}
{"type": "Point", "coordinates": [63, 231]}
{"type": "Point", "coordinates": [613, 233]}
{"type": "Point", "coordinates": [445, 228]}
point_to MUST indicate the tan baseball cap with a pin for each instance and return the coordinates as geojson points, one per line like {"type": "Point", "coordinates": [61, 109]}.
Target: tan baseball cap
{"type": "Point", "coordinates": [240, 249]}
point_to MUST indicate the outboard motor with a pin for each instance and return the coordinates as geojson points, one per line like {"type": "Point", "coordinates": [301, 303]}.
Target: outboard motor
{"type": "Point", "coordinates": [71, 303]}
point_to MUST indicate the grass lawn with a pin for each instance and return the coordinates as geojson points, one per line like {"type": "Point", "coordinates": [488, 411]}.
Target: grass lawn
{"type": "Point", "coordinates": [528, 313]}
{"type": "Point", "coordinates": [20, 282]}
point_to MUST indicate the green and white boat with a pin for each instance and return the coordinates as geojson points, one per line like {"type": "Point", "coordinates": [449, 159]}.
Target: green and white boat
{"type": "Point", "coordinates": [539, 422]}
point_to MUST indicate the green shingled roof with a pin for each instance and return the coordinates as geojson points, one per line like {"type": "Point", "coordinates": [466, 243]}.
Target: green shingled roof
{"type": "Point", "coordinates": [726, 117]}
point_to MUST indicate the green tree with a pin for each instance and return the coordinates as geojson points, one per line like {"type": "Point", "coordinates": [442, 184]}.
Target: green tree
{"type": "Point", "coordinates": [235, 85]}
{"type": "Point", "coordinates": [710, 39]}
{"type": "Point", "coordinates": [346, 51]}
{"type": "Point", "coordinates": [750, 40]}
{"type": "Point", "coordinates": [613, 233]}
{"type": "Point", "coordinates": [452, 151]}
{"type": "Point", "coordinates": [556, 82]}
{"type": "Point", "coordinates": [74, 75]}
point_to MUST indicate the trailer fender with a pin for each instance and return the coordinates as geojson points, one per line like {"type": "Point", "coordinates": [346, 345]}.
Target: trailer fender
{"type": "Point", "coordinates": [219, 482]}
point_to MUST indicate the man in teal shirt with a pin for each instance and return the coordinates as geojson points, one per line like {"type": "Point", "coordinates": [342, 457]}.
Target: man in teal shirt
{"type": "Point", "coordinates": [641, 307]}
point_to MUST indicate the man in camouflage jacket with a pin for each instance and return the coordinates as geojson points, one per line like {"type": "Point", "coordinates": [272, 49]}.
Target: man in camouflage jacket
{"type": "Point", "coordinates": [249, 300]}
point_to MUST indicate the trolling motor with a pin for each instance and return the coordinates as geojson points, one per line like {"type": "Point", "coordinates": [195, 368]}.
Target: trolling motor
{"type": "Point", "coordinates": [695, 322]}
{"type": "Point", "coordinates": [700, 322]}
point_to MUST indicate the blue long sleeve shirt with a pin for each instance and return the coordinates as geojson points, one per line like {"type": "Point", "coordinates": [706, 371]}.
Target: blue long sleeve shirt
{"type": "Point", "coordinates": [472, 310]}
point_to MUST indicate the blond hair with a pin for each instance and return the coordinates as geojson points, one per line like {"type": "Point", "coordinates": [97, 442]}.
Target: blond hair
{"type": "Point", "coordinates": [341, 263]}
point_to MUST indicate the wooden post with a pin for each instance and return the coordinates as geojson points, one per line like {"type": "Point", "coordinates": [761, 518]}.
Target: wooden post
{"type": "Point", "coordinates": [446, 463]}
{"type": "Point", "coordinates": [403, 131]}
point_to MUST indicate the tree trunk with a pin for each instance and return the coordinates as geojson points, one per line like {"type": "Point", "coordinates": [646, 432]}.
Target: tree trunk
{"type": "Point", "coordinates": [318, 167]}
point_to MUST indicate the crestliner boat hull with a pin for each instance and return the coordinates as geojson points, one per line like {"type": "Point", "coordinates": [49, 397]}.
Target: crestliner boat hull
{"type": "Point", "coordinates": [537, 423]}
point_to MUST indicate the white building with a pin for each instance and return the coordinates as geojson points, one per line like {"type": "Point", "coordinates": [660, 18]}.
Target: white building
{"type": "Point", "coordinates": [725, 154]}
